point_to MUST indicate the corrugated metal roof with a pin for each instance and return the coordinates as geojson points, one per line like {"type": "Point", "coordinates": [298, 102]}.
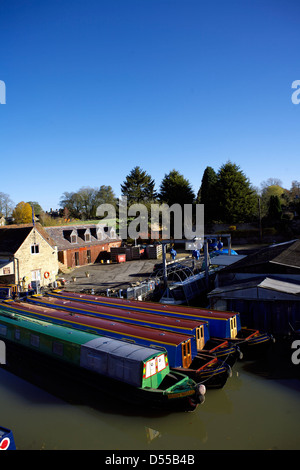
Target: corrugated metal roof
{"type": "Point", "coordinates": [226, 260]}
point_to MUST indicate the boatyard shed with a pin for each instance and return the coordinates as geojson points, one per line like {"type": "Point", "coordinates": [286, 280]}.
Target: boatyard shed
{"type": "Point", "coordinates": [79, 245]}
{"type": "Point", "coordinates": [268, 303]}
{"type": "Point", "coordinates": [28, 256]}
{"type": "Point", "coordinates": [281, 260]}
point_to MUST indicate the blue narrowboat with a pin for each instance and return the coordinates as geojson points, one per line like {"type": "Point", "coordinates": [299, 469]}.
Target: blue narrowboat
{"type": "Point", "coordinates": [225, 325]}
{"type": "Point", "coordinates": [133, 373]}
{"type": "Point", "coordinates": [197, 328]}
{"type": "Point", "coordinates": [181, 349]}
{"type": "Point", "coordinates": [7, 441]}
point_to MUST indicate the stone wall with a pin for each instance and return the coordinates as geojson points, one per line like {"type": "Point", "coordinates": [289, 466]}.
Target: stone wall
{"type": "Point", "coordinates": [43, 261]}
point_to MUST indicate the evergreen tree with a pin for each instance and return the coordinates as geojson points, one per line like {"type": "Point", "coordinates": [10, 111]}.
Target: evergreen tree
{"type": "Point", "coordinates": [207, 194]}
{"type": "Point", "coordinates": [138, 187]}
{"type": "Point", "coordinates": [106, 195]}
{"type": "Point", "coordinates": [175, 188]}
{"type": "Point", "coordinates": [237, 200]}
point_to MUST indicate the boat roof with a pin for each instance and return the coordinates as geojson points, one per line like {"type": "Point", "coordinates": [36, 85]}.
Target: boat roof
{"type": "Point", "coordinates": [158, 307]}
{"type": "Point", "coordinates": [109, 326]}
{"type": "Point", "coordinates": [160, 320]}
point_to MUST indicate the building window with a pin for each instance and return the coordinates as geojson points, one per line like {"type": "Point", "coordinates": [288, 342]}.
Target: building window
{"type": "Point", "coordinates": [73, 239]}
{"type": "Point", "coordinates": [89, 257]}
{"type": "Point", "coordinates": [87, 237]}
{"type": "Point", "coordinates": [35, 248]}
{"type": "Point", "coordinates": [36, 275]}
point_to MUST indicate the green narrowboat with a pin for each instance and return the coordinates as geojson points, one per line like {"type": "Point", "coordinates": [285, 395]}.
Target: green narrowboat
{"type": "Point", "coordinates": [134, 373]}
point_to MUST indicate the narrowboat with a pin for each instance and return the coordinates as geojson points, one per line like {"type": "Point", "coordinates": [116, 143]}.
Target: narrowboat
{"type": "Point", "coordinates": [130, 372]}
{"type": "Point", "coordinates": [222, 324]}
{"type": "Point", "coordinates": [181, 349]}
{"type": "Point", "coordinates": [197, 328]}
{"type": "Point", "coordinates": [7, 441]}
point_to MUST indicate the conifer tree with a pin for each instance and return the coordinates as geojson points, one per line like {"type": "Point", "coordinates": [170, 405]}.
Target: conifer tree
{"type": "Point", "coordinates": [175, 188]}
{"type": "Point", "coordinates": [237, 200]}
{"type": "Point", "coordinates": [207, 194]}
{"type": "Point", "coordinates": [138, 187]}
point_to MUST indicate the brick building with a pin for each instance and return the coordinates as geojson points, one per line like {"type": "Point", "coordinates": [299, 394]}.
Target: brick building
{"type": "Point", "coordinates": [78, 245]}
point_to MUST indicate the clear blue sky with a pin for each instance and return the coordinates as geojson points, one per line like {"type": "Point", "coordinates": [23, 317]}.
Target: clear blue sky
{"type": "Point", "coordinates": [96, 87]}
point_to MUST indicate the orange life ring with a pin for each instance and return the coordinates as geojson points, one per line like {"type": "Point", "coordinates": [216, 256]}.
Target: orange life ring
{"type": "Point", "coordinates": [46, 275]}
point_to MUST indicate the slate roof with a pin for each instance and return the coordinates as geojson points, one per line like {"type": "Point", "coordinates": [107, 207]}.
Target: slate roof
{"type": "Point", "coordinates": [61, 235]}
{"type": "Point", "coordinates": [12, 237]}
{"type": "Point", "coordinates": [282, 257]}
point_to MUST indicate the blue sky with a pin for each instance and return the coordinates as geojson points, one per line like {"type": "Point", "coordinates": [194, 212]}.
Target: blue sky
{"type": "Point", "coordinates": [96, 87]}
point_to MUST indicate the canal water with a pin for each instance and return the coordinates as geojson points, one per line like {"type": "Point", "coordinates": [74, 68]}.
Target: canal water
{"type": "Point", "coordinates": [257, 409]}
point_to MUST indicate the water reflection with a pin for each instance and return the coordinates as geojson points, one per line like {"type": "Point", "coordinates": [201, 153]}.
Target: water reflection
{"type": "Point", "coordinates": [257, 409]}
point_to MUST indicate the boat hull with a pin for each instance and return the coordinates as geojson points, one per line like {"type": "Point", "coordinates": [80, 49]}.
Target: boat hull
{"type": "Point", "coordinates": [7, 441]}
{"type": "Point", "coordinates": [176, 394]}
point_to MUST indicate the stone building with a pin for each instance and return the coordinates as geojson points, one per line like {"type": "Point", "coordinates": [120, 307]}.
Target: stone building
{"type": "Point", "coordinates": [27, 256]}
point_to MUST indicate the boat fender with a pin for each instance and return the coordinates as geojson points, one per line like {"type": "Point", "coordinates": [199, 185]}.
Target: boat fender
{"type": "Point", "coordinates": [201, 389]}
{"type": "Point", "coordinates": [46, 274]}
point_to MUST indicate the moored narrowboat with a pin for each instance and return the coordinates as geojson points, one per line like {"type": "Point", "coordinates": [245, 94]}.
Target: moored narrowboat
{"type": "Point", "coordinates": [181, 349]}
{"type": "Point", "coordinates": [7, 441]}
{"type": "Point", "coordinates": [128, 371]}
{"type": "Point", "coordinates": [197, 328]}
{"type": "Point", "coordinates": [222, 325]}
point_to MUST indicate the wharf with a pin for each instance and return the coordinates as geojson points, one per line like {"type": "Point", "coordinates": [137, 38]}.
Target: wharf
{"type": "Point", "coordinates": [123, 275]}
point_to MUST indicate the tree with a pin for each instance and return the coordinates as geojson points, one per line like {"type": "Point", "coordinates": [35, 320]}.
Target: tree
{"type": "Point", "coordinates": [207, 194]}
{"type": "Point", "coordinates": [269, 190]}
{"type": "Point", "coordinates": [274, 210]}
{"type": "Point", "coordinates": [138, 187]}
{"type": "Point", "coordinates": [22, 213]}
{"type": "Point", "coordinates": [73, 203]}
{"type": "Point", "coordinates": [106, 195]}
{"type": "Point", "coordinates": [237, 200]}
{"type": "Point", "coordinates": [83, 203]}
{"type": "Point", "coordinates": [6, 205]}
{"type": "Point", "coordinates": [175, 189]}
{"type": "Point", "coordinates": [36, 207]}
{"type": "Point", "coordinates": [88, 198]}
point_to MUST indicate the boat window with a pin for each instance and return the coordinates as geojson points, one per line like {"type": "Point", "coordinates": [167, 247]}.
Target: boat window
{"type": "Point", "coordinates": [3, 330]}
{"type": "Point", "coordinates": [35, 340]}
{"type": "Point", "coordinates": [17, 334]}
{"type": "Point", "coordinates": [150, 368]}
{"type": "Point", "coordinates": [58, 348]}
{"type": "Point", "coordinates": [161, 363]}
